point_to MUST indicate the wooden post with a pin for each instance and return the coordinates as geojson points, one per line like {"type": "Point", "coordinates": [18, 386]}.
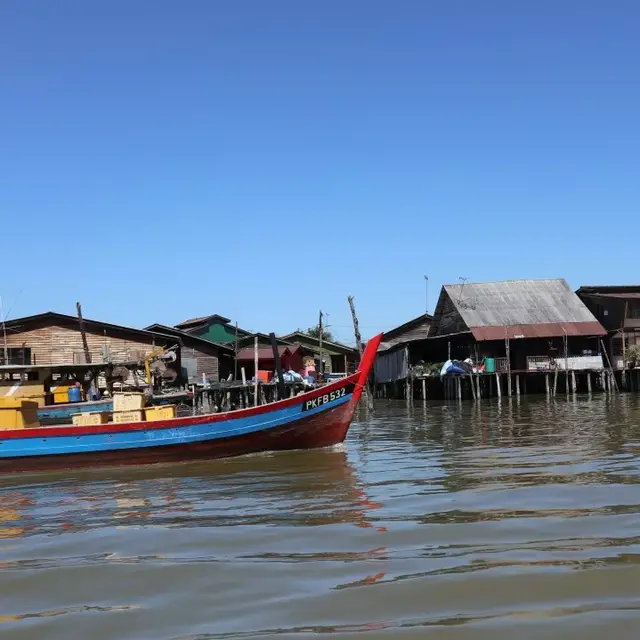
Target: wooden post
{"type": "Point", "coordinates": [589, 382]}
{"type": "Point", "coordinates": [574, 385]}
{"type": "Point", "coordinates": [83, 334]}
{"type": "Point", "coordinates": [458, 388]}
{"type": "Point", "coordinates": [566, 361]}
{"type": "Point", "coordinates": [555, 382]}
{"type": "Point", "coordinates": [624, 346]}
{"type": "Point", "coordinates": [546, 384]}
{"type": "Point", "coordinates": [235, 356]}
{"type": "Point", "coordinates": [320, 329]}
{"type": "Point", "coordinates": [509, 385]}
{"type": "Point", "coordinates": [424, 391]}
{"type": "Point", "coordinates": [244, 376]}
{"type": "Point", "coordinates": [256, 399]}
{"type": "Point", "coordinates": [4, 333]}
{"type": "Point", "coordinates": [518, 384]}
{"type": "Point", "coordinates": [499, 390]}
{"type": "Point", "coordinates": [472, 385]}
{"type": "Point", "coordinates": [615, 383]}
{"type": "Point", "coordinates": [282, 391]}
{"type": "Point", "coordinates": [87, 354]}
{"type": "Point", "coordinates": [479, 389]}
{"type": "Point", "coordinates": [356, 330]}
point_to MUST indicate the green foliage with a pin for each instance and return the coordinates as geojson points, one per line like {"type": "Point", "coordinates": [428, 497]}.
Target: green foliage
{"type": "Point", "coordinates": [633, 355]}
{"type": "Point", "coordinates": [315, 332]}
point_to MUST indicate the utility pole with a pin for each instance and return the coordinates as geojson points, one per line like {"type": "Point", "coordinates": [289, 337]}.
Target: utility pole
{"type": "Point", "coordinates": [426, 294]}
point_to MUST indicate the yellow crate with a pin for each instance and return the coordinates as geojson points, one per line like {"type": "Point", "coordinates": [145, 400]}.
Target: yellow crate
{"type": "Point", "coordinates": [134, 415]}
{"type": "Point", "coordinates": [128, 401]}
{"type": "Point", "coordinates": [162, 412]}
{"type": "Point", "coordinates": [18, 414]}
{"type": "Point", "coordinates": [23, 390]}
{"type": "Point", "coordinates": [89, 418]}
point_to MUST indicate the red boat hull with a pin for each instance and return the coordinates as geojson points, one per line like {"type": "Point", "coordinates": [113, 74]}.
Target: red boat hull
{"type": "Point", "coordinates": [321, 430]}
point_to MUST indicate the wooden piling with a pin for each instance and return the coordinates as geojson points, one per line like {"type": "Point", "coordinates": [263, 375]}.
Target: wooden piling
{"type": "Point", "coordinates": [518, 384]}
{"type": "Point", "coordinates": [589, 382]}
{"type": "Point", "coordinates": [458, 388]}
{"type": "Point", "coordinates": [546, 384]}
{"type": "Point", "coordinates": [256, 399]}
{"type": "Point", "coordinates": [555, 382]}
{"type": "Point", "coordinates": [424, 391]}
{"type": "Point", "coordinates": [574, 385]}
{"type": "Point", "coordinates": [509, 389]}
{"type": "Point", "coordinates": [499, 390]}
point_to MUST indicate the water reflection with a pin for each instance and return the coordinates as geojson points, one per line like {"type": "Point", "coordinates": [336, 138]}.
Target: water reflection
{"type": "Point", "coordinates": [320, 488]}
{"type": "Point", "coordinates": [465, 518]}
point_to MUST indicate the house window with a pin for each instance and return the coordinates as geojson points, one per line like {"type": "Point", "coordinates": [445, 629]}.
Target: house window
{"type": "Point", "coordinates": [16, 355]}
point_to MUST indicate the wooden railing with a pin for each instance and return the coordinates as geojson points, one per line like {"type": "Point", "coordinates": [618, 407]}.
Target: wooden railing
{"type": "Point", "coordinates": [502, 365]}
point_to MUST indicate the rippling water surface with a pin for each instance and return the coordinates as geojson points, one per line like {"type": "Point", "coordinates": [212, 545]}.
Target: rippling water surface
{"type": "Point", "coordinates": [488, 521]}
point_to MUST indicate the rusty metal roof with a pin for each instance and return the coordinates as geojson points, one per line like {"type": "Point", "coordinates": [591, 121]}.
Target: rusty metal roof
{"type": "Point", "coordinates": [547, 330]}
{"type": "Point", "coordinates": [265, 353]}
{"type": "Point", "coordinates": [525, 308]}
{"type": "Point", "coordinates": [632, 295]}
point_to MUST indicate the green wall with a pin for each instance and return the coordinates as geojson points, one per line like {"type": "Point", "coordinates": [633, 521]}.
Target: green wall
{"type": "Point", "coordinates": [218, 332]}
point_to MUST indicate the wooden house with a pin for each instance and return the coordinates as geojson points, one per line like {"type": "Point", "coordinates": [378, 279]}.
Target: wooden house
{"type": "Point", "coordinates": [402, 347]}
{"type": "Point", "coordinates": [199, 356]}
{"type": "Point", "coordinates": [337, 357]}
{"type": "Point", "coordinates": [215, 328]}
{"type": "Point", "coordinates": [55, 338]}
{"type": "Point", "coordinates": [524, 325]}
{"type": "Point", "coordinates": [291, 358]}
{"type": "Point", "coordinates": [617, 308]}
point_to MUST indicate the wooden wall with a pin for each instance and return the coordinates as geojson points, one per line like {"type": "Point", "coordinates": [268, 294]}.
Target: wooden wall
{"type": "Point", "coordinates": [202, 363]}
{"type": "Point", "coordinates": [57, 345]}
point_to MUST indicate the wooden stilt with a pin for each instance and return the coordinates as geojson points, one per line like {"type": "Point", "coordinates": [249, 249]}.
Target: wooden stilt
{"type": "Point", "coordinates": [498, 389]}
{"type": "Point", "coordinates": [518, 384]}
{"type": "Point", "coordinates": [509, 389]}
{"type": "Point", "coordinates": [589, 382]}
{"type": "Point", "coordinates": [574, 386]}
{"type": "Point", "coordinates": [555, 382]}
{"type": "Point", "coordinates": [424, 391]}
{"type": "Point", "coordinates": [546, 384]}
{"type": "Point", "coordinates": [458, 388]}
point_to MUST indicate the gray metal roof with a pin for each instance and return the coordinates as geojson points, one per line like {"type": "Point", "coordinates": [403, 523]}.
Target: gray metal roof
{"type": "Point", "coordinates": [518, 302]}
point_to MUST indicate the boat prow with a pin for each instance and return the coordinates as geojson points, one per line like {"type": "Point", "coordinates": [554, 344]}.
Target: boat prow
{"type": "Point", "coordinates": [318, 418]}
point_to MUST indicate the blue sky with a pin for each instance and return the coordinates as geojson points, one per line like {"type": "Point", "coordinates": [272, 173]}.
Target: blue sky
{"type": "Point", "coordinates": [263, 160]}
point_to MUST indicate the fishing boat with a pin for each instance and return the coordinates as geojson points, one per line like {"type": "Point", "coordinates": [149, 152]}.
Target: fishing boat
{"type": "Point", "coordinates": [318, 418]}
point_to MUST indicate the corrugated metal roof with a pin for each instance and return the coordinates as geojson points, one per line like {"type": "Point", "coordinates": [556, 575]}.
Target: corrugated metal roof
{"type": "Point", "coordinates": [547, 330]}
{"type": "Point", "coordinates": [632, 295]}
{"type": "Point", "coordinates": [530, 308]}
{"type": "Point", "coordinates": [202, 320]}
{"type": "Point", "coordinates": [264, 353]}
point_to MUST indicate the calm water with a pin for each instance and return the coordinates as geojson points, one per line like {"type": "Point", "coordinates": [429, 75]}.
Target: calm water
{"type": "Point", "coordinates": [473, 522]}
